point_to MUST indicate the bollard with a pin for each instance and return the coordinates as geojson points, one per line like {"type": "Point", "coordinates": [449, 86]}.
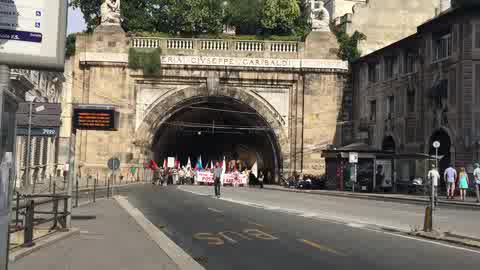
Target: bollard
{"type": "Point", "coordinates": [29, 217]}
{"type": "Point", "coordinates": [55, 214]}
{"type": "Point", "coordinates": [54, 187]}
{"type": "Point", "coordinates": [17, 211]}
{"type": "Point", "coordinates": [94, 189]}
{"type": "Point", "coordinates": [428, 224]}
{"type": "Point", "coordinates": [108, 188]}
{"type": "Point", "coordinates": [88, 180]}
{"type": "Point", "coordinates": [76, 193]}
{"type": "Point", "coordinates": [50, 184]}
{"type": "Point", "coordinates": [65, 213]}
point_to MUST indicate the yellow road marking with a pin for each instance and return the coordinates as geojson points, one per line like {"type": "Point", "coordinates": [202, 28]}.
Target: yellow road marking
{"type": "Point", "coordinates": [321, 247]}
{"type": "Point", "coordinates": [256, 224]}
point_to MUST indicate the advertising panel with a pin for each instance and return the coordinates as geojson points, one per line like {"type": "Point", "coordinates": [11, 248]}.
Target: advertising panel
{"type": "Point", "coordinates": [33, 33]}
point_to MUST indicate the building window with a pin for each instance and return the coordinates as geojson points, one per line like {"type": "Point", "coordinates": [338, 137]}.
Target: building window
{"type": "Point", "coordinates": [477, 35]}
{"type": "Point", "coordinates": [372, 73]}
{"type": "Point", "coordinates": [409, 62]}
{"type": "Point", "coordinates": [411, 101]}
{"type": "Point", "coordinates": [442, 47]}
{"type": "Point", "coordinates": [389, 67]}
{"type": "Point", "coordinates": [373, 110]}
{"type": "Point", "coordinates": [390, 107]}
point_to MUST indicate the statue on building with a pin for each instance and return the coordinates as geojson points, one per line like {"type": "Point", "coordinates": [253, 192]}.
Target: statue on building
{"type": "Point", "coordinates": [319, 16]}
{"type": "Point", "coordinates": [110, 12]}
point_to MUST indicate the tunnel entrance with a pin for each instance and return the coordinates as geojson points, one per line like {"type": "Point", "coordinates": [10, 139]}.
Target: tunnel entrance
{"type": "Point", "coordinates": [217, 127]}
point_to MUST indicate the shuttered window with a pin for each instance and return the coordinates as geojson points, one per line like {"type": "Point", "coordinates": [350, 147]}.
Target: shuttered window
{"type": "Point", "coordinates": [452, 88]}
{"type": "Point", "coordinates": [477, 35]}
{"type": "Point", "coordinates": [477, 84]}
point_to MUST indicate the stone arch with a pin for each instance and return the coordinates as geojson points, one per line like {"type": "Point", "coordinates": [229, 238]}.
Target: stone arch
{"type": "Point", "coordinates": [389, 143]}
{"type": "Point", "coordinates": [174, 100]}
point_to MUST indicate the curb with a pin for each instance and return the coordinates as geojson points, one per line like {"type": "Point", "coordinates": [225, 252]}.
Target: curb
{"type": "Point", "coordinates": [173, 251]}
{"type": "Point", "coordinates": [381, 198]}
{"type": "Point", "coordinates": [460, 240]}
{"type": "Point", "coordinates": [42, 243]}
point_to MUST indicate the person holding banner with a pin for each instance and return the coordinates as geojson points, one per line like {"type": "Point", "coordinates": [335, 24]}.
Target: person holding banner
{"type": "Point", "coordinates": [217, 174]}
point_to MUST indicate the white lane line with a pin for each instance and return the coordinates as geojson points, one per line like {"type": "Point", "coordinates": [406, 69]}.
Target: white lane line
{"type": "Point", "coordinates": [215, 210]}
{"type": "Point", "coordinates": [424, 240]}
{"type": "Point", "coordinates": [337, 220]}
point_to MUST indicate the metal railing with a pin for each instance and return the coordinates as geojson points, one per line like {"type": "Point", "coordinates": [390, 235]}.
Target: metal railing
{"type": "Point", "coordinates": [26, 218]}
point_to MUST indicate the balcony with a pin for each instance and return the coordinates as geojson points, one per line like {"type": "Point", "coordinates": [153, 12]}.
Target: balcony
{"type": "Point", "coordinates": [221, 47]}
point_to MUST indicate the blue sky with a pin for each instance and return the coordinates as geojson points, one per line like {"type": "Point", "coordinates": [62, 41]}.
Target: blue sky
{"type": "Point", "coordinates": [75, 21]}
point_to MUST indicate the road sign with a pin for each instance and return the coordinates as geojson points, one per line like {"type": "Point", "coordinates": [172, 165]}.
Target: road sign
{"type": "Point", "coordinates": [353, 157]}
{"type": "Point", "coordinates": [33, 33]}
{"type": "Point", "coordinates": [38, 132]}
{"type": "Point", "coordinates": [436, 144]}
{"type": "Point", "coordinates": [113, 164]}
{"type": "Point", "coordinates": [99, 117]}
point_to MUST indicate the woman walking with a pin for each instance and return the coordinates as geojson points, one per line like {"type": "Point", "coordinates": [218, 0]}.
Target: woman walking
{"type": "Point", "coordinates": [463, 183]}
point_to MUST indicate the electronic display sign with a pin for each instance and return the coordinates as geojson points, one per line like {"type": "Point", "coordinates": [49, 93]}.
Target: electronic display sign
{"type": "Point", "coordinates": [105, 119]}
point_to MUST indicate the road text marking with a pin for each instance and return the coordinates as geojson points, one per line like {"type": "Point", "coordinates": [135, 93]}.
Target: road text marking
{"type": "Point", "coordinates": [218, 239]}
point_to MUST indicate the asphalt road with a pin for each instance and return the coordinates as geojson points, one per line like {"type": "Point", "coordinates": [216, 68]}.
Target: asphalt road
{"type": "Point", "coordinates": [224, 235]}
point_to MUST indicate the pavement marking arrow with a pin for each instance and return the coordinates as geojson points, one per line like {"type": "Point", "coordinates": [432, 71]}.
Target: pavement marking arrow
{"type": "Point", "coordinates": [321, 247]}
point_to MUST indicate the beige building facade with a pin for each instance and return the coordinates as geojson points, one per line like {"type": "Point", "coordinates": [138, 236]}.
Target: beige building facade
{"type": "Point", "coordinates": [270, 100]}
{"type": "Point", "coordinates": [422, 89]}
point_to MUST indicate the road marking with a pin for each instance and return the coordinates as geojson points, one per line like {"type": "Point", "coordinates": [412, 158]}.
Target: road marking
{"type": "Point", "coordinates": [424, 240]}
{"type": "Point", "coordinates": [256, 224]}
{"type": "Point", "coordinates": [321, 247]}
{"type": "Point", "coordinates": [215, 210]}
{"type": "Point", "coordinates": [356, 225]}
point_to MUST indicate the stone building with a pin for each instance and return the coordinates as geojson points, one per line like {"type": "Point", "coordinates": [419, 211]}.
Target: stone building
{"type": "Point", "coordinates": [422, 89]}
{"type": "Point", "coordinates": [37, 86]}
{"type": "Point", "coordinates": [273, 101]}
{"type": "Point", "coordinates": [383, 22]}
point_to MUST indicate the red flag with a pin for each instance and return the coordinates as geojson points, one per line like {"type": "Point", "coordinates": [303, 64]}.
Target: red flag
{"type": "Point", "coordinates": [165, 164]}
{"type": "Point", "coordinates": [153, 165]}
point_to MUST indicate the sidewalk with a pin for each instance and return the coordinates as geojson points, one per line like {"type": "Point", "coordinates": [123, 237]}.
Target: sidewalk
{"type": "Point", "coordinates": [416, 199]}
{"type": "Point", "coordinates": [111, 241]}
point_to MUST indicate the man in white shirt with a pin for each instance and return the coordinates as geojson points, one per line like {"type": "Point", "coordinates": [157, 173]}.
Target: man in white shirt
{"type": "Point", "coordinates": [476, 175]}
{"type": "Point", "coordinates": [434, 176]}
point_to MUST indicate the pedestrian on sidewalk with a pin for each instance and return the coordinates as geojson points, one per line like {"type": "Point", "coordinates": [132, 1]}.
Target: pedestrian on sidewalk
{"type": "Point", "coordinates": [217, 174]}
{"type": "Point", "coordinates": [260, 179]}
{"type": "Point", "coordinates": [476, 175]}
{"type": "Point", "coordinates": [450, 176]}
{"type": "Point", "coordinates": [433, 175]}
{"type": "Point", "coordinates": [463, 182]}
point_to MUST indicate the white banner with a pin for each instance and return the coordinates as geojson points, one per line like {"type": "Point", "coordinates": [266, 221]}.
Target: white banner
{"type": "Point", "coordinates": [228, 178]}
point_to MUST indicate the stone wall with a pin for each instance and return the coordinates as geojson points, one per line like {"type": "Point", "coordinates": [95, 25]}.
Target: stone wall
{"type": "Point", "coordinates": [301, 104]}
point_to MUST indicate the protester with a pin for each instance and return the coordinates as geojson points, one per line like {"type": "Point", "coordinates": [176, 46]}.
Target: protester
{"type": "Point", "coordinates": [463, 182]}
{"type": "Point", "coordinates": [450, 176]}
{"type": "Point", "coordinates": [434, 176]}
{"type": "Point", "coordinates": [260, 179]}
{"type": "Point", "coordinates": [181, 174]}
{"type": "Point", "coordinates": [476, 175]}
{"type": "Point", "coordinates": [217, 174]}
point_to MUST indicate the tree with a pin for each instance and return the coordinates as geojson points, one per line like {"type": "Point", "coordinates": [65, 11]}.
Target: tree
{"type": "Point", "coordinates": [70, 45]}
{"type": "Point", "coordinates": [279, 16]}
{"type": "Point", "coordinates": [348, 43]}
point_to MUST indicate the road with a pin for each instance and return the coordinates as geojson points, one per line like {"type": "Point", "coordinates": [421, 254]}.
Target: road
{"type": "Point", "coordinates": [226, 235]}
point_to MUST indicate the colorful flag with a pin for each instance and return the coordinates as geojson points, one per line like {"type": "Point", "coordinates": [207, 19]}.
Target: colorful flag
{"type": "Point", "coordinates": [165, 164]}
{"type": "Point", "coordinates": [153, 165]}
{"type": "Point", "coordinates": [133, 170]}
{"type": "Point", "coordinates": [199, 163]}
{"type": "Point", "coordinates": [224, 169]}
{"type": "Point", "coordinates": [255, 169]}
{"type": "Point", "coordinates": [189, 163]}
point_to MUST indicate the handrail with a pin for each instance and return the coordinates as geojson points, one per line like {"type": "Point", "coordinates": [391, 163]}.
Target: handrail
{"type": "Point", "coordinates": [215, 44]}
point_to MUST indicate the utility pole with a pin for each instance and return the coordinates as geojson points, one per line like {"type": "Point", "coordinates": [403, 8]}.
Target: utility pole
{"type": "Point", "coordinates": [28, 178]}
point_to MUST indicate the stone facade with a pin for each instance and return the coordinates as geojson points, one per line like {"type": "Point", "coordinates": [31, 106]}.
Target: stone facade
{"type": "Point", "coordinates": [423, 88]}
{"type": "Point", "coordinates": [299, 97]}
{"type": "Point", "coordinates": [37, 86]}
{"type": "Point", "coordinates": [383, 22]}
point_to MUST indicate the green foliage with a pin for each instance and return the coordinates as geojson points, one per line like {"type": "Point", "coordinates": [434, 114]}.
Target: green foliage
{"type": "Point", "coordinates": [147, 60]}
{"type": "Point", "coordinates": [198, 17]}
{"type": "Point", "coordinates": [279, 16]}
{"type": "Point", "coordinates": [70, 45]}
{"type": "Point", "coordinates": [348, 43]}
